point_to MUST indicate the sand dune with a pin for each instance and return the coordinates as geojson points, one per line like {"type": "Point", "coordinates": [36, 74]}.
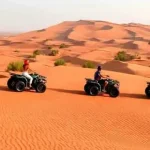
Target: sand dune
{"type": "Point", "coordinates": [84, 30]}
{"type": "Point", "coordinates": [65, 118]}
{"type": "Point", "coordinates": [86, 34]}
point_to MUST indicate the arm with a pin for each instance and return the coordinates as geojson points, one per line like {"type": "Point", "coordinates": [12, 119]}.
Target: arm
{"type": "Point", "coordinates": [27, 68]}
{"type": "Point", "coordinates": [104, 76]}
{"type": "Point", "coordinates": [30, 70]}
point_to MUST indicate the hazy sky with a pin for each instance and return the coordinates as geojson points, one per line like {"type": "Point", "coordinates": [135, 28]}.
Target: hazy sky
{"type": "Point", "coordinates": [26, 15]}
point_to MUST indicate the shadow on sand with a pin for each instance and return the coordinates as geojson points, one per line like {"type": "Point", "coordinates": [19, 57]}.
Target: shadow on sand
{"type": "Point", "coordinates": [68, 91]}
{"type": "Point", "coordinates": [118, 66]}
{"type": "Point", "coordinates": [137, 96]}
{"type": "Point", "coordinates": [5, 88]}
{"type": "Point", "coordinates": [79, 92]}
{"type": "Point", "coordinates": [3, 76]}
{"type": "Point", "coordinates": [123, 95]}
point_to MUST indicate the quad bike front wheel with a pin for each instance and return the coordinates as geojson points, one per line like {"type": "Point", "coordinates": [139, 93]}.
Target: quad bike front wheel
{"type": "Point", "coordinates": [20, 86]}
{"type": "Point", "coordinates": [114, 92]}
{"type": "Point", "coordinates": [147, 91]}
{"type": "Point", "coordinates": [40, 88]}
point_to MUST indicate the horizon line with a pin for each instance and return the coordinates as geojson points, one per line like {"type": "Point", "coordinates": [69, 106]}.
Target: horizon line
{"type": "Point", "coordinates": [24, 31]}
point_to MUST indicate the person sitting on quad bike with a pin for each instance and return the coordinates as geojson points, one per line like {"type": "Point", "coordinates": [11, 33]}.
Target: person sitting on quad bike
{"type": "Point", "coordinates": [98, 76]}
{"type": "Point", "coordinates": [25, 71]}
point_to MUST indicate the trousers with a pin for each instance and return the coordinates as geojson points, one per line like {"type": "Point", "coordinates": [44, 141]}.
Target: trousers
{"type": "Point", "coordinates": [26, 74]}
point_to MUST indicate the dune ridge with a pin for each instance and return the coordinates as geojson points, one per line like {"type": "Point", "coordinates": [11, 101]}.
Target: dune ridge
{"type": "Point", "coordinates": [89, 35]}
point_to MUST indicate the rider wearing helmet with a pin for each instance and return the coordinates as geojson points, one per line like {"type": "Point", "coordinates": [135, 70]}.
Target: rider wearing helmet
{"type": "Point", "coordinates": [98, 76]}
{"type": "Point", "coordinates": [25, 71]}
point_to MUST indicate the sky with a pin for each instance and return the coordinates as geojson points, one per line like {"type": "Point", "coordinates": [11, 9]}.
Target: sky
{"type": "Point", "coordinates": [27, 15]}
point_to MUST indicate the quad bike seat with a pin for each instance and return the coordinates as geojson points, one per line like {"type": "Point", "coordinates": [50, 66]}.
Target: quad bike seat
{"type": "Point", "coordinates": [90, 80]}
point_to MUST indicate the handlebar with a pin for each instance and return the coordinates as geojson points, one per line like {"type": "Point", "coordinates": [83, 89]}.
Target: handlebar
{"type": "Point", "coordinates": [34, 73]}
{"type": "Point", "coordinates": [38, 75]}
{"type": "Point", "coordinates": [107, 77]}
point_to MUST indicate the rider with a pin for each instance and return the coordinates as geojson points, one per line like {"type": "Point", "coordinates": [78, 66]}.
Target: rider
{"type": "Point", "coordinates": [25, 71]}
{"type": "Point", "coordinates": [98, 76]}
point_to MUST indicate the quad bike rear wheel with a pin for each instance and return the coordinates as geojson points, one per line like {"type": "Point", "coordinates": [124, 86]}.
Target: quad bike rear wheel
{"type": "Point", "coordinates": [87, 88]}
{"type": "Point", "coordinates": [147, 91]}
{"type": "Point", "coordinates": [20, 86]}
{"type": "Point", "coordinates": [10, 84]}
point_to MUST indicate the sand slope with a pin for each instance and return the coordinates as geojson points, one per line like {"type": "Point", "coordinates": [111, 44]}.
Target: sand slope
{"type": "Point", "coordinates": [100, 40]}
{"type": "Point", "coordinates": [64, 118]}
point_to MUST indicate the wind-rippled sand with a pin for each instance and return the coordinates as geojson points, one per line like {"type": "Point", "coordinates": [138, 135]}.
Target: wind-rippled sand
{"type": "Point", "coordinates": [64, 118]}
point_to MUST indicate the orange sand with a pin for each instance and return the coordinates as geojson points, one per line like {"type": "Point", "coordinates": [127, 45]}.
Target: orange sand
{"type": "Point", "coordinates": [64, 118]}
{"type": "Point", "coordinates": [86, 34]}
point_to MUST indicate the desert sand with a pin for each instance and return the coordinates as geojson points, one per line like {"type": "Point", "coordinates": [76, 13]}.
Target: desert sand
{"type": "Point", "coordinates": [86, 39]}
{"type": "Point", "coordinates": [64, 117]}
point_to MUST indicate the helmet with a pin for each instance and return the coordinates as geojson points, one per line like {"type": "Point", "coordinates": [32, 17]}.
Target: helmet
{"type": "Point", "coordinates": [99, 67]}
{"type": "Point", "coordinates": [26, 62]}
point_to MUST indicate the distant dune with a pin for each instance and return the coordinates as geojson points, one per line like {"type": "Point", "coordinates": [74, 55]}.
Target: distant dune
{"type": "Point", "coordinates": [97, 41]}
{"type": "Point", "coordinates": [83, 30]}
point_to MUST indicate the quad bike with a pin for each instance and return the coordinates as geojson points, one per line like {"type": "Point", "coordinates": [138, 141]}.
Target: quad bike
{"type": "Point", "coordinates": [18, 82]}
{"type": "Point", "coordinates": [94, 87]}
{"type": "Point", "coordinates": [147, 90]}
